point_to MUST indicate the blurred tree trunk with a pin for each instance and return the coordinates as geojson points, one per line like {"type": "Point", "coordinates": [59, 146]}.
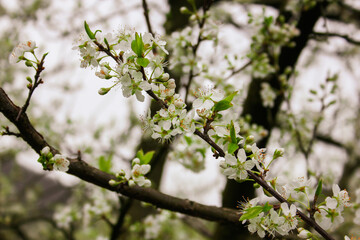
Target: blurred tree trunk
{"type": "Point", "coordinates": [235, 192]}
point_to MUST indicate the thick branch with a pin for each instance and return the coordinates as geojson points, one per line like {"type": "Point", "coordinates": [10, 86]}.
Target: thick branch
{"type": "Point", "coordinates": [90, 174]}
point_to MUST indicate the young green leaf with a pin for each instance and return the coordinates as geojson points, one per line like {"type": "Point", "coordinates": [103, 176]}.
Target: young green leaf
{"type": "Point", "coordinates": [88, 31]}
{"type": "Point", "coordinates": [232, 148]}
{"type": "Point", "coordinates": [144, 158]}
{"type": "Point", "coordinates": [222, 105]}
{"type": "Point", "coordinates": [319, 188]}
{"type": "Point", "coordinates": [231, 96]}
{"type": "Point", "coordinates": [105, 164]}
{"type": "Point", "coordinates": [142, 61]}
{"type": "Point", "coordinates": [233, 133]}
{"type": "Point", "coordinates": [137, 45]}
{"type": "Point", "coordinates": [251, 213]}
{"type": "Point", "coordinates": [188, 140]}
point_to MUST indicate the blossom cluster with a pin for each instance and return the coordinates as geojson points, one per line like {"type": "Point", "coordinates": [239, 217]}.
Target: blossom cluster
{"type": "Point", "coordinates": [137, 68]}
{"type": "Point", "coordinates": [57, 162]}
{"type": "Point", "coordinates": [137, 175]}
{"type": "Point", "coordinates": [266, 219]}
{"type": "Point", "coordinates": [267, 42]}
{"type": "Point", "coordinates": [329, 215]}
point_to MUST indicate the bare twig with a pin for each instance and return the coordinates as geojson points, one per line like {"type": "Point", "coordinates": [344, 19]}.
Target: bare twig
{"type": "Point", "coordinates": [201, 23]}
{"type": "Point", "coordinates": [37, 81]}
{"type": "Point", "coordinates": [9, 133]}
{"type": "Point", "coordinates": [146, 15]}
{"type": "Point", "coordinates": [234, 72]}
{"type": "Point", "coordinates": [331, 34]}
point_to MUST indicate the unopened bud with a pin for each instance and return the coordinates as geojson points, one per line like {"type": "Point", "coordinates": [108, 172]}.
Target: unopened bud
{"type": "Point", "coordinates": [185, 10]}
{"type": "Point", "coordinates": [171, 84]}
{"type": "Point", "coordinates": [250, 139]}
{"type": "Point", "coordinates": [135, 161]}
{"type": "Point", "coordinates": [113, 183]}
{"type": "Point", "coordinates": [28, 63]}
{"type": "Point", "coordinates": [165, 76]}
{"type": "Point", "coordinates": [132, 183]}
{"type": "Point", "coordinates": [103, 91]}
{"type": "Point", "coordinates": [248, 148]}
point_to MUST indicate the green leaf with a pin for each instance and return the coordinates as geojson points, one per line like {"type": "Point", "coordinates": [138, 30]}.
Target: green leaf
{"type": "Point", "coordinates": [107, 43]}
{"type": "Point", "coordinates": [267, 207]}
{"type": "Point", "coordinates": [222, 105]}
{"type": "Point", "coordinates": [88, 31]}
{"type": "Point", "coordinates": [251, 213]}
{"type": "Point", "coordinates": [142, 61]}
{"type": "Point", "coordinates": [147, 158]}
{"type": "Point", "coordinates": [232, 147]}
{"type": "Point", "coordinates": [319, 188]}
{"type": "Point", "coordinates": [105, 164]}
{"type": "Point", "coordinates": [233, 133]}
{"type": "Point", "coordinates": [231, 96]}
{"type": "Point", "coordinates": [144, 158]}
{"type": "Point", "coordinates": [331, 103]}
{"type": "Point", "coordinates": [188, 140]}
{"type": "Point", "coordinates": [137, 45]}
{"type": "Point", "coordinates": [313, 91]}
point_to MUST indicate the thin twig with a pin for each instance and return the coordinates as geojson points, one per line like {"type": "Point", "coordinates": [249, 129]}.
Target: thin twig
{"type": "Point", "coordinates": [146, 15]}
{"type": "Point", "coordinates": [37, 81]}
{"type": "Point", "coordinates": [7, 132]}
{"type": "Point", "coordinates": [331, 34]}
{"type": "Point", "coordinates": [201, 24]}
{"type": "Point", "coordinates": [234, 72]}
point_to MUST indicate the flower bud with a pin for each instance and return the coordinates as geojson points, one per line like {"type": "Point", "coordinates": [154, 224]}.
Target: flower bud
{"type": "Point", "coordinates": [248, 148]}
{"type": "Point", "coordinates": [135, 161]}
{"type": "Point", "coordinates": [45, 151]}
{"type": "Point", "coordinates": [250, 139]}
{"type": "Point", "coordinates": [184, 10]}
{"type": "Point", "coordinates": [131, 183]}
{"type": "Point", "coordinates": [165, 76]}
{"type": "Point", "coordinates": [103, 91]}
{"type": "Point", "coordinates": [147, 183]}
{"type": "Point", "coordinates": [113, 183]}
{"type": "Point", "coordinates": [120, 174]}
{"type": "Point", "coordinates": [28, 63]}
{"type": "Point", "coordinates": [171, 84]}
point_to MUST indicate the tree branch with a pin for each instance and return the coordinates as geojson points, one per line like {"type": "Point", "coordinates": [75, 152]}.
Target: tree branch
{"type": "Point", "coordinates": [93, 175]}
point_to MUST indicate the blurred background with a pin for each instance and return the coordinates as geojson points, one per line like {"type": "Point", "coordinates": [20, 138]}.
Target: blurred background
{"type": "Point", "coordinates": [320, 139]}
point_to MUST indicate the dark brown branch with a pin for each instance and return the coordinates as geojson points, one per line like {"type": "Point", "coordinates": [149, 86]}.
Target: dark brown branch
{"type": "Point", "coordinates": [331, 34]}
{"type": "Point", "coordinates": [90, 174]}
{"type": "Point", "coordinates": [125, 204]}
{"type": "Point", "coordinates": [146, 15]}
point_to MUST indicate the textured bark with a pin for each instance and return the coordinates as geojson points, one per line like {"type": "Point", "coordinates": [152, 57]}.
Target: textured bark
{"type": "Point", "coordinates": [95, 176]}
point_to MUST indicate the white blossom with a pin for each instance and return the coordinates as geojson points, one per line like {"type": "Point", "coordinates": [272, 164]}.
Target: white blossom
{"type": "Point", "coordinates": [60, 163]}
